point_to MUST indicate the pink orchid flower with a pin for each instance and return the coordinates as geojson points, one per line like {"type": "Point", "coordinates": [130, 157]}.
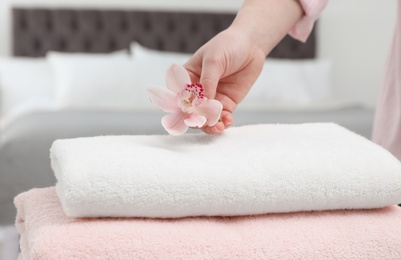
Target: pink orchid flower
{"type": "Point", "coordinates": [185, 103]}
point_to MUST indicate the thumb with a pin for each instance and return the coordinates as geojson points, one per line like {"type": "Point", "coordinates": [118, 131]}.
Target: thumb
{"type": "Point", "coordinates": [210, 76]}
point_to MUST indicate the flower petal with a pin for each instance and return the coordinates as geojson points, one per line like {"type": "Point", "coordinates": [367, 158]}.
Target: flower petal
{"type": "Point", "coordinates": [164, 99]}
{"type": "Point", "coordinates": [195, 120]}
{"type": "Point", "coordinates": [177, 78]}
{"type": "Point", "coordinates": [174, 123]}
{"type": "Point", "coordinates": [211, 109]}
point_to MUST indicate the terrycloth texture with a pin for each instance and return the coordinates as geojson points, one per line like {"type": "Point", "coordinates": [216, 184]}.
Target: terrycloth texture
{"type": "Point", "coordinates": [247, 170]}
{"type": "Point", "coordinates": [387, 126]}
{"type": "Point", "coordinates": [312, 11]}
{"type": "Point", "coordinates": [46, 233]}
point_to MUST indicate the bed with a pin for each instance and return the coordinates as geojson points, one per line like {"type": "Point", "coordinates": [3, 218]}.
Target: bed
{"type": "Point", "coordinates": [25, 140]}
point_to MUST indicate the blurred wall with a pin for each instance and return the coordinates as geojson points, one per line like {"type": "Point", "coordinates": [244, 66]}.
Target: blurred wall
{"type": "Point", "coordinates": [354, 34]}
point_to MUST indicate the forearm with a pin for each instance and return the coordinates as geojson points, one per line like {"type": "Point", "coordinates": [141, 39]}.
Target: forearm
{"type": "Point", "coordinates": [266, 22]}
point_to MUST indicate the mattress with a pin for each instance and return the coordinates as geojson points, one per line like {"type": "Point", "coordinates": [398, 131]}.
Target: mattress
{"type": "Point", "coordinates": [46, 233]}
{"type": "Point", "coordinates": [25, 141]}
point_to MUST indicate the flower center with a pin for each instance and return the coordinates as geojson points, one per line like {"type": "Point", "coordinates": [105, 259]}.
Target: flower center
{"type": "Point", "coordinates": [192, 95]}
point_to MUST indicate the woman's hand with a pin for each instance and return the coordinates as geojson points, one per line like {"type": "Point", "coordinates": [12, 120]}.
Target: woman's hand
{"type": "Point", "coordinates": [227, 66]}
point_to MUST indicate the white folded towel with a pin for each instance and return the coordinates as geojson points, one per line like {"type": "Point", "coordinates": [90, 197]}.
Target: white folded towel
{"type": "Point", "coordinates": [246, 170]}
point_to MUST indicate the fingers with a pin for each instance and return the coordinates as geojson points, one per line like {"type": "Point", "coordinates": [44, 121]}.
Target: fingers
{"type": "Point", "coordinates": [208, 70]}
{"type": "Point", "coordinates": [207, 67]}
{"type": "Point", "coordinates": [226, 121]}
{"type": "Point", "coordinates": [211, 73]}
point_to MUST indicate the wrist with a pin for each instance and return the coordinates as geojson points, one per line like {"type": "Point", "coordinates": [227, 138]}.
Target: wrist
{"type": "Point", "coordinates": [266, 22]}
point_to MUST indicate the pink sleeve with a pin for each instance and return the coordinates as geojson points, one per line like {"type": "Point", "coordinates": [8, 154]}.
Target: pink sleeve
{"type": "Point", "coordinates": [312, 10]}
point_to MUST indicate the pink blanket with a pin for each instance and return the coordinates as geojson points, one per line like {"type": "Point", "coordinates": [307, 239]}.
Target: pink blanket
{"type": "Point", "coordinates": [46, 233]}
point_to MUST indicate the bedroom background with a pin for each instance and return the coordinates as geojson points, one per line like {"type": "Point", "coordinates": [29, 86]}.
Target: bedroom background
{"type": "Point", "coordinates": [353, 37]}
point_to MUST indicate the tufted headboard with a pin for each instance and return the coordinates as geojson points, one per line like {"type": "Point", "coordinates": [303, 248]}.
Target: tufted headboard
{"type": "Point", "coordinates": [36, 31]}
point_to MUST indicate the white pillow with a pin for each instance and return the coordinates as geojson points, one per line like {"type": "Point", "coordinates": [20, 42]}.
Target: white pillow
{"type": "Point", "coordinates": [142, 53]}
{"type": "Point", "coordinates": [151, 68]}
{"type": "Point", "coordinates": [97, 81]}
{"type": "Point", "coordinates": [22, 80]}
{"type": "Point", "coordinates": [290, 82]}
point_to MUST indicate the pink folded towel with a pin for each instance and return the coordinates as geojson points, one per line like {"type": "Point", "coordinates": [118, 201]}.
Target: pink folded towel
{"type": "Point", "coordinates": [46, 233]}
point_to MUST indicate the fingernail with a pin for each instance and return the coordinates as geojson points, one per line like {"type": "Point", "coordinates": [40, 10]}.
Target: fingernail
{"type": "Point", "coordinates": [216, 130]}
{"type": "Point", "coordinates": [228, 122]}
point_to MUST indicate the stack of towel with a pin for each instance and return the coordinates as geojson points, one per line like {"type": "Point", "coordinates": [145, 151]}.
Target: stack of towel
{"type": "Point", "coordinates": [309, 191]}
